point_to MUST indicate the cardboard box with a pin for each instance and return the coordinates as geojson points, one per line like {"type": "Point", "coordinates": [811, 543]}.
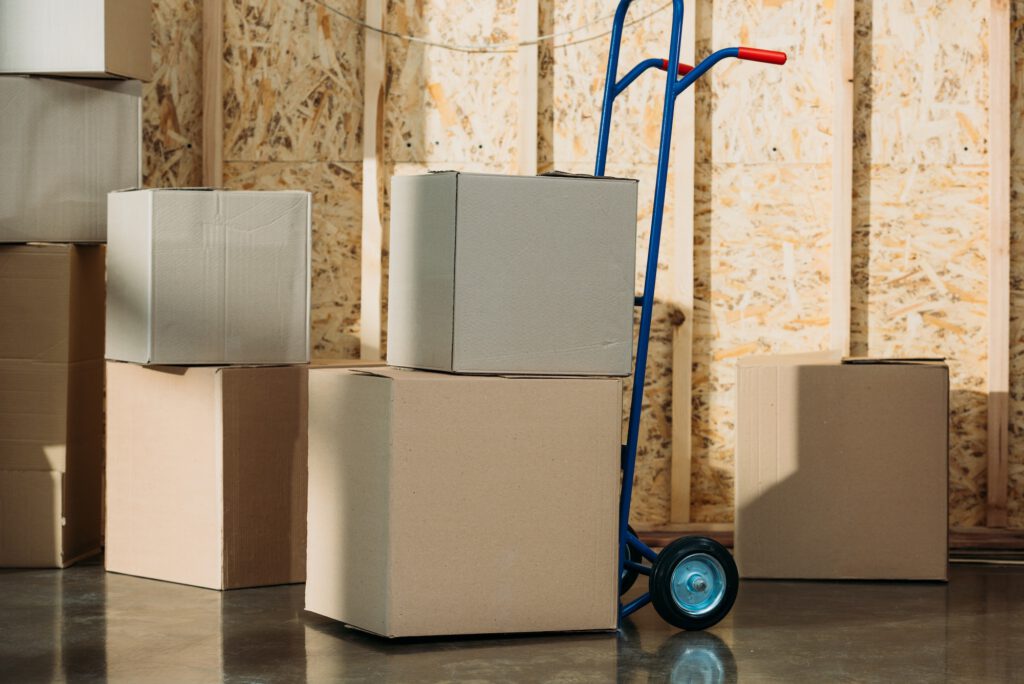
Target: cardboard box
{"type": "Point", "coordinates": [841, 468]}
{"type": "Point", "coordinates": [512, 274]}
{"type": "Point", "coordinates": [448, 504]}
{"type": "Point", "coordinates": [63, 146]}
{"type": "Point", "coordinates": [51, 403]}
{"type": "Point", "coordinates": [206, 474]}
{"type": "Point", "coordinates": [84, 38]}
{"type": "Point", "coordinates": [208, 277]}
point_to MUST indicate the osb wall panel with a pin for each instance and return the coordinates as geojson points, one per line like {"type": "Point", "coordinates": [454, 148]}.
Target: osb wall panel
{"type": "Point", "coordinates": [447, 106]}
{"type": "Point", "coordinates": [921, 193]}
{"type": "Point", "coordinates": [172, 126]}
{"type": "Point", "coordinates": [293, 82]}
{"type": "Point", "coordinates": [1016, 455]}
{"type": "Point", "coordinates": [763, 228]}
{"type": "Point", "coordinates": [763, 287]}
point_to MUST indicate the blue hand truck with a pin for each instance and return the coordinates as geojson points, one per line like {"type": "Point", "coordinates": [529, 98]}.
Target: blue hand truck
{"type": "Point", "coordinates": [693, 582]}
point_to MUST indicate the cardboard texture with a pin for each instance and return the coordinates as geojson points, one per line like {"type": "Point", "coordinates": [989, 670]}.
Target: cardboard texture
{"type": "Point", "coordinates": [206, 474]}
{"type": "Point", "coordinates": [841, 468]}
{"type": "Point", "coordinates": [83, 38]}
{"type": "Point", "coordinates": [512, 274]}
{"type": "Point", "coordinates": [446, 504]}
{"type": "Point", "coordinates": [208, 277]}
{"type": "Point", "coordinates": [64, 144]}
{"type": "Point", "coordinates": [51, 403]}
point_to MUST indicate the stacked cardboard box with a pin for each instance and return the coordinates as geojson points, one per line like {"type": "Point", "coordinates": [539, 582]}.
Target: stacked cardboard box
{"type": "Point", "coordinates": [472, 486]}
{"type": "Point", "coordinates": [207, 346]}
{"type": "Point", "coordinates": [64, 144]}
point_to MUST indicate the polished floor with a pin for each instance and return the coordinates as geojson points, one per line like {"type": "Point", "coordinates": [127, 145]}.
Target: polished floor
{"type": "Point", "coordinates": [85, 625]}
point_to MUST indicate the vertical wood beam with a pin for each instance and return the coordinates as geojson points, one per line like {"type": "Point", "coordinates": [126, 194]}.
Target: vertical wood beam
{"type": "Point", "coordinates": [527, 12]}
{"type": "Point", "coordinates": [842, 178]}
{"type": "Point", "coordinates": [1000, 67]}
{"type": "Point", "coordinates": [372, 244]}
{"type": "Point", "coordinates": [213, 93]}
{"type": "Point", "coordinates": [682, 264]}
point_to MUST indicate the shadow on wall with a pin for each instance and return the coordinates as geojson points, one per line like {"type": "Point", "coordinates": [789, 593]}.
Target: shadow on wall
{"type": "Point", "coordinates": [653, 479]}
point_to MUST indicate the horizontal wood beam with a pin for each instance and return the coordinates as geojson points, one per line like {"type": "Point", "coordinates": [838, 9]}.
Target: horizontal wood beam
{"type": "Point", "coordinates": [961, 539]}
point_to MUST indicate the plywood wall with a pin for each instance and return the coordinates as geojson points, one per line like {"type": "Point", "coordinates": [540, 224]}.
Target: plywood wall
{"type": "Point", "coordinates": [293, 98]}
{"type": "Point", "coordinates": [172, 129]}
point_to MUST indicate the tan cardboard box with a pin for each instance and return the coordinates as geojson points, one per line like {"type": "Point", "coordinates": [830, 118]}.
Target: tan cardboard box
{"type": "Point", "coordinates": [84, 38]}
{"type": "Point", "coordinates": [541, 282]}
{"type": "Point", "coordinates": [206, 474]}
{"type": "Point", "coordinates": [51, 403]}
{"type": "Point", "coordinates": [841, 468]}
{"type": "Point", "coordinates": [451, 504]}
{"type": "Point", "coordinates": [200, 276]}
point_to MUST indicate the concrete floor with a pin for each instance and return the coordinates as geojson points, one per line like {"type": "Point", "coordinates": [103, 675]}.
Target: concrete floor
{"type": "Point", "coordinates": [85, 625]}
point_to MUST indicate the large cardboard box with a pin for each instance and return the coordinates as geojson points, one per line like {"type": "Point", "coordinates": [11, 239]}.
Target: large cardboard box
{"type": "Point", "coordinates": [51, 403]}
{"type": "Point", "coordinates": [841, 468]}
{"type": "Point", "coordinates": [208, 277]}
{"type": "Point", "coordinates": [512, 274]}
{"type": "Point", "coordinates": [64, 144]}
{"type": "Point", "coordinates": [85, 38]}
{"type": "Point", "coordinates": [206, 474]}
{"type": "Point", "coordinates": [448, 504]}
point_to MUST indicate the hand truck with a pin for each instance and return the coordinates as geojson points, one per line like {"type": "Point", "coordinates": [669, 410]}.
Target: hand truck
{"type": "Point", "coordinates": [693, 582]}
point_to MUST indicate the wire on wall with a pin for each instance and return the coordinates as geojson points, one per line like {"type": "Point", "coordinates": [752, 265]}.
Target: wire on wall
{"type": "Point", "coordinates": [495, 47]}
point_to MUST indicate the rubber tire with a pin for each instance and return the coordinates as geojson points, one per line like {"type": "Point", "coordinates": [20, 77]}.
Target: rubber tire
{"type": "Point", "coordinates": [661, 582]}
{"type": "Point", "coordinates": [628, 578]}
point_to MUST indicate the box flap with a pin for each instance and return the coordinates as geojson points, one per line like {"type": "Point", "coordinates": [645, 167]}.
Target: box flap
{"type": "Point", "coordinates": [909, 361]}
{"type": "Point", "coordinates": [565, 174]}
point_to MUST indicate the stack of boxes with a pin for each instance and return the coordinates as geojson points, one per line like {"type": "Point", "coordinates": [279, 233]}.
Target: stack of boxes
{"type": "Point", "coordinates": [472, 486]}
{"type": "Point", "coordinates": [207, 345]}
{"type": "Point", "coordinates": [69, 133]}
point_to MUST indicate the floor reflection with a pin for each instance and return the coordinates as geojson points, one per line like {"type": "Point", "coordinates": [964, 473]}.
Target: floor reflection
{"type": "Point", "coordinates": [85, 625]}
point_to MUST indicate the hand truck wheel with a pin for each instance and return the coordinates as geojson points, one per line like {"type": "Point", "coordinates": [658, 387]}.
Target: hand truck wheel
{"type": "Point", "coordinates": [694, 583]}
{"type": "Point", "coordinates": [628, 575]}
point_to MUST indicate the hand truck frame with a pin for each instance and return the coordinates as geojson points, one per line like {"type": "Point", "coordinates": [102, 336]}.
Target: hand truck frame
{"type": "Point", "coordinates": [693, 582]}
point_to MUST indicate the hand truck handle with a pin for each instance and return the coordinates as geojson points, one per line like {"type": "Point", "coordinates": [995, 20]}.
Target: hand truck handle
{"type": "Point", "coordinates": [758, 55]}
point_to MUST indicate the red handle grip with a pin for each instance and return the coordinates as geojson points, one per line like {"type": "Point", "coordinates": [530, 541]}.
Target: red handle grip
{"type": "Point", "coordinates": [683, 68]}
{"type": "Point", "coordinates": [759, 55]}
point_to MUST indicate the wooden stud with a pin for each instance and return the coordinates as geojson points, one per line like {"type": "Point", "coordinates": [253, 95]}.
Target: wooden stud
{"type": "Point", "coordinates": [842, 179]}
{"type": "Point", "coordinates": [1000, 63]}
{"type": "Point", "coordinates": [213, 93]}
{"type": "Point", "coordinates": [371, 283]}
{"type": "Point", "coordinates": [529, 22]}
{"type": "Point", "coordinates": [682, 261]}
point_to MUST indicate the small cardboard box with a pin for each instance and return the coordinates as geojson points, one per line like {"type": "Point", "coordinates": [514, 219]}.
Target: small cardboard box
{"type": "Point", "coordinates": [841, 468]}
{"type": "Point", "coordinates": [51, 403]}
{"type": "Point", "coordinates": [512, 274]}
{"type": "Point", "coordinates": [208, 277]}
{"type": "Point", "coordinates": [206, 474]}
{"type": "Point", "coordinates": [64, 144]}
{"type": "Point", "coordinates": [84, 38]}
{"type": "Point", "coordinates": [450, 504]}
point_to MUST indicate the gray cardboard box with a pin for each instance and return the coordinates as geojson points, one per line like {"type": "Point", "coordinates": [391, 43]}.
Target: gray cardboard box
{"type": "Point", "coordinates": [208, 277]}
{"type": "Point", "coordinates": [84, 38]}
{"type": "Point", "coordinates": [512, 274]}
{"type": "Point", "coordinates": [64, 144]}
{"type": "Point", "coordinates": [841, 468]}
{"type": "Point", "coordinates": [416, 478]}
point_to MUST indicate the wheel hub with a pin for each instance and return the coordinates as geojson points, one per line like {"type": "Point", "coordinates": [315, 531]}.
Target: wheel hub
{"type": "Point", "coordinates": [698, 583]}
